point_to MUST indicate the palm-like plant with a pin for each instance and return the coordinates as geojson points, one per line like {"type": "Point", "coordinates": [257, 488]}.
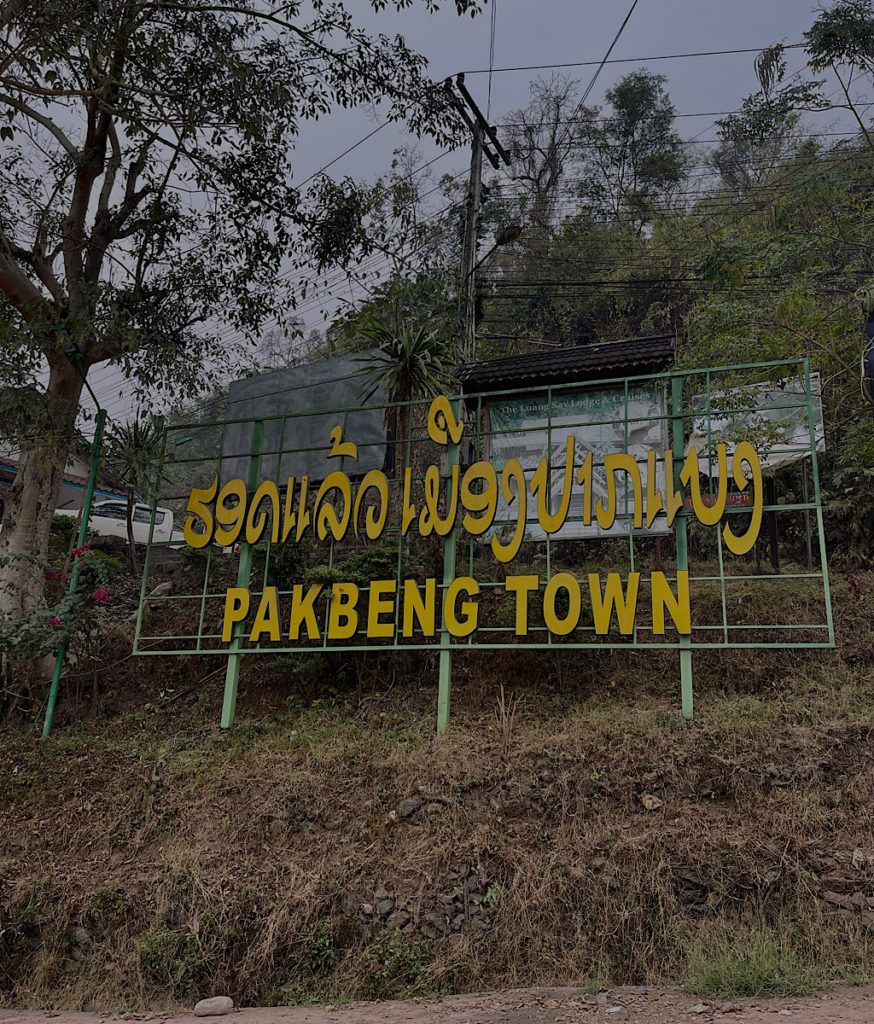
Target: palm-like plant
{"type": "Point", "coordinates": [133, 453]}
{"type": "Point", "coordinates": [408, 363]}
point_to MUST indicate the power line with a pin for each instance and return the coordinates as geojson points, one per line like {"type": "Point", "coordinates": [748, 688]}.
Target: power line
{"type": "Point", "coordinates": [346, 152]}
{"type": "Point", "coordinates": [368, 264]}
{"type": "Point", "coordinates": [743, 205]}
{"type": "Point", "coordinates": [375, 259]}
{"type": "Point", "coordinates": [625, 60]}
{"type": "Point", "coordinates": [742, 208]}
{"type": "Point", "coordinates": [710, 142]}
{"type": "Point", "coordinates": [600, 66]}
{"type": "Point", "coordinates": [527, 290]}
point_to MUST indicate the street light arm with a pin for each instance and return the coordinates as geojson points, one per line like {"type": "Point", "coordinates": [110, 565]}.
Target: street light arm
{"type": "Point", "coordinates": [509, 234]}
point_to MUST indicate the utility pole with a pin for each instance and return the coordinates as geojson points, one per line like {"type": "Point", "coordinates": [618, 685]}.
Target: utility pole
{"type": "Point", "coordinates": [468, 250]}
{"type": "Point", "coordinates": [482, 133]}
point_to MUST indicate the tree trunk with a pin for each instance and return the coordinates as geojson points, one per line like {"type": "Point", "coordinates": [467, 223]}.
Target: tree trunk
{"type": "Point", "coordinates": [132, 550]}
{"type": "Point", "coordinates": [402, 432]}
{"type": "Point", "coordinates": [34, 495]}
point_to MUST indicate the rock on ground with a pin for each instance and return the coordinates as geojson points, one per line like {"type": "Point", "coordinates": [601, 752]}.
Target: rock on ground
{"type": "Point", "coordinates": [214, 1007]}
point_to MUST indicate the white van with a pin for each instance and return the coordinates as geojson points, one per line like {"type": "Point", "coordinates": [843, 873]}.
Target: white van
{"type": "Point", "coordinates": [109, 519]}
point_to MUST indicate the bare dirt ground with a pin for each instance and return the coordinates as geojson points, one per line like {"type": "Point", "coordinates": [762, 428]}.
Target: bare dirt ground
{"type": "Point", "coordinates": [528, 1006]}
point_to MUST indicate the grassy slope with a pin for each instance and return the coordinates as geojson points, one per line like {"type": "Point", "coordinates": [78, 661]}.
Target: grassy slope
{"type": "Point", "coordinates": [587, 834]}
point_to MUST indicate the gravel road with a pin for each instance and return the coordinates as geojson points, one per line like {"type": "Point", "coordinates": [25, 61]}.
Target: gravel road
{"type": "Point", "coordinates": [526, 1006]}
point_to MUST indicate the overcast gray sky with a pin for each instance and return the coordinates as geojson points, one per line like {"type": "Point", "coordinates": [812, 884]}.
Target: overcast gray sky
{"type": "Point", "coordinates": [544, 32]}
{"type": "Point", "coordinates": [537, 32]}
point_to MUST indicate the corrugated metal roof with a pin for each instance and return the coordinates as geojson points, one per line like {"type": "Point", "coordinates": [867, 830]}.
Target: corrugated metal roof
{"type": "Point", "coordinates": [9, 470]}
{"type": "Point", "coordinates": [568, 365]}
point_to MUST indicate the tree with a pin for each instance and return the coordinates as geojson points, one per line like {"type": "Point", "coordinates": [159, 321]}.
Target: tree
{"type": "Point", "coordinates": [758, 138]}
{"type": "Point", "coordinates": [146, 195]}
{"type": "Point", "coordinates": [418, 281]}
{"type": "Point", "coordinates": [633, 157]}
{"type": "Point", "coordinates": [587, 186]}
{"type": "Point", "coordinates": [844, 36]}
{"type": "Point", "coordinates": [134, 450]}
{"type": "Point", "coordinates": [408, 363]}
{"type": "Point", "coordinates": [541, 139]}
{"type": "Point", "coordinates": [753, 142]}
{"type": "Point", "coordinates": [278, 347]}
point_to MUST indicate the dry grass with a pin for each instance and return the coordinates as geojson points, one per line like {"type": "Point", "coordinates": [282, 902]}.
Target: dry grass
{"type": "Point", "coordinates": [148, 858]}
{"type": "Point", "coordinates": [505, 717]}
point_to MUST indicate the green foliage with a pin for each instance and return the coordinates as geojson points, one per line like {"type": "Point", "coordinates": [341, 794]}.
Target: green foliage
{"type": "Point", "coordinates": [762, 134]}
{"type": "Point", "coordinates": [406, 363]}
{"type": "Point", "coordinates": [22, 407]}
{"type": "Point", "coordinates": [106, 907]}
{"type": "Point", "coordinates": [30, 636]}
{"type": "Point", "coordinates": [63, 616]}
{"type": "Point", "coordinates": [169, 961]}
{"type": "Point", "coordinates": [322, 955]}
{"type": "Point", "coordinates": [100, 569]}
{"type": "Point", "coordinates": [238, 147]}
{"type": "Point", "coordinates": [842, 35]}
{"type": "Point", "coordinates": [195, 558]}
{"type": "Point", "coordinates": [748, 964]}
{"type": "Point", "coordinates": [132, 453]}
{"type": "Point", "coordinates": [63, 528]}
{"type": "Point", "coordinates": [287, 562]}
{"type": "Point", "coordinates": [636, 155]}
{"type": "Point", "coordinates": [371, 563]}
{"type": "Point", "coordinates": [848, 495]}
{"type": "Point", "coordinates": [340, 213]}
{"type": "Point", "coordinates": [393, 967]}
{"type": "Point", "coordinates": [113, 135]}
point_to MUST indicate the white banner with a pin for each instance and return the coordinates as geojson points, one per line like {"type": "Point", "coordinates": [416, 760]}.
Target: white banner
{"type": "Point", "coordinates": [772, 416]}
{"type": "Point", "coordinates": [601, 423]}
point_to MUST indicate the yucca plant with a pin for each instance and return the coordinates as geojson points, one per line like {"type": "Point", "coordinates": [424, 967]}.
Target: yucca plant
{"type": "Point", "coordinates": [409, 363]}
{"type": "Point", "coordinates": [132, 455]}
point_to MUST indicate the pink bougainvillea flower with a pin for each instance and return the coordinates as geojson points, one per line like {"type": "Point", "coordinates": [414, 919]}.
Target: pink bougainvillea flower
{"type": "Point", "coordinates": [55, 622]}
{"type": "Point", "coordinates": [52, 574]}
{"type": "Point", "coordinates": [100, 594]}
{"type": "Point", "coordinates": [83, 551]}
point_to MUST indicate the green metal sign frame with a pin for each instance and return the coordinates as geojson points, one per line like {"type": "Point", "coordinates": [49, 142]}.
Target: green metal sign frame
{"type": "Point", "coordinates": [181, 468]}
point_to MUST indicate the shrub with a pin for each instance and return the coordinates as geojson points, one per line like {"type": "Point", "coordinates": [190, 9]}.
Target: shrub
{"type": "Point", "coordinates": [169, 961]}
{"type": "Point", "coordinates": [100, 569]}
{"type": "Point", "coordinates": [751, 963]}
{"type": "Point", "coordinates": [371, 563]}
{"type": "Point", "coordinates": [393, 967]}
{"type": "Point", "coordinates": [62, 529]}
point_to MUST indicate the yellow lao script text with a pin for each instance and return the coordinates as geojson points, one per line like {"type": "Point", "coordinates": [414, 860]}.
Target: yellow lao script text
{"type": "Point", "coordinates": [396, 610]}
{"type": "Point", "coordinates": [229, 514]}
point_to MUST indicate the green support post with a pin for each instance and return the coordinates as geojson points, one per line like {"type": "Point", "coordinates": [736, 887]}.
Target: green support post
{"type": "Point", "coordinates": [444, 685]}
{"type": "Point", "coordinates": [61, 656]}
{"type": "Point", "coordinates": [814, 465]}
{"type": "Point", "coordinates": [232, 675]}
{"type": "Point", "coordinates": [679, 450]}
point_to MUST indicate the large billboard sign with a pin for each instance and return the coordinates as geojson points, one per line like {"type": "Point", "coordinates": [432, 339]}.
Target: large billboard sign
{"type": "Point", "coordinates": [535, 518]}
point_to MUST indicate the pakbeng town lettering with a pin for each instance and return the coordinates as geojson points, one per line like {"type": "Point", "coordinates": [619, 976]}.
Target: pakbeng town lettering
{"type": "Point", "coordinates": [405, 608]}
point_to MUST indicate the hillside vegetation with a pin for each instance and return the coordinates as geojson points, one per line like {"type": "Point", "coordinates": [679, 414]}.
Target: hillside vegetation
{"type": "Point", "coordinates": [569, 828]}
